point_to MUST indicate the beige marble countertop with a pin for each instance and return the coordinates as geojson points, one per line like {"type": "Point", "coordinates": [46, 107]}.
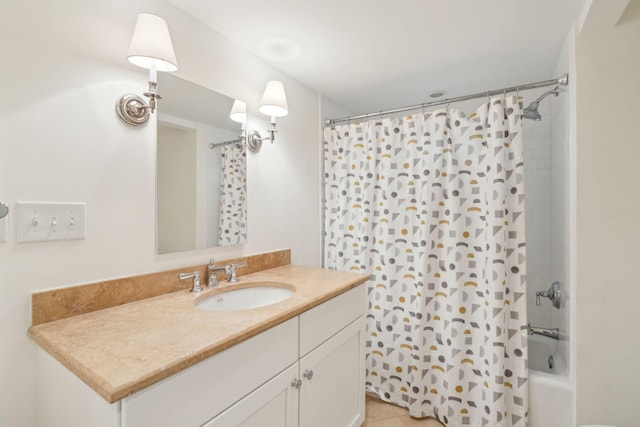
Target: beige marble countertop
{"type": "Point", "coordinates": [121, 350]}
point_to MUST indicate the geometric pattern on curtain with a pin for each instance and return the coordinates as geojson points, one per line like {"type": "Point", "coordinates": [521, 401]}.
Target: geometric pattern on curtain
{"type": "Point", "coordinates": [232, 228]}
{"type": "Point", "coordinates": [431, 206]}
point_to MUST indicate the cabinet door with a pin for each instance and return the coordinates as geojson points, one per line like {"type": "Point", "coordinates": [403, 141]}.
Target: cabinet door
{"type": "Point", "coordinates": [332, 392]}
{"type": "Point", "coordinates": [274, 404]}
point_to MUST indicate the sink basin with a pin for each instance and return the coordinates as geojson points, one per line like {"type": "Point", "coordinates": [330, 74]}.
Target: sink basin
{"type": "Point", "coordinates": [250, 296]}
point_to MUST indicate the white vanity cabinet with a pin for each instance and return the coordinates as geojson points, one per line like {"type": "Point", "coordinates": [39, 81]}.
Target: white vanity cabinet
{"type": "Point", "coordinates": [332, 391]}
{"type": "Point", "coordinates": [194, 396]}
{"type": "Point", "coordinates": [273, 404]}
{"type": "Point", "coordinates": [307, 372]}
{"type": "Point", "coordinates": [326, 386]}
{"type": "Point", "coordinates": [332, 362]}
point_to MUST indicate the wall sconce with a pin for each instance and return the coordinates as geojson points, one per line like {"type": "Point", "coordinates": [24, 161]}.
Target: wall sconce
{"type": "Point", "coordinates": [273, 104]}
{"type": "Point", "coordinates": [239, 114]}
{"type": "Point", "coordinates": [150, 48]}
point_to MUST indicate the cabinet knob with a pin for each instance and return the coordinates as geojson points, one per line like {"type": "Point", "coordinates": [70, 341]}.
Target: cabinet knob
{"type": "Point", "coordinates": [308, 374]}
{"type": "Point", "coordinates": [296, 383]}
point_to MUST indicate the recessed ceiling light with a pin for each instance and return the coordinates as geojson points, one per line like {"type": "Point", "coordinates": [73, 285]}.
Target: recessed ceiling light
{"type": "Point", "coordinates": [437, 93]}
{"type": "Point", "coordinates": [278, 49]}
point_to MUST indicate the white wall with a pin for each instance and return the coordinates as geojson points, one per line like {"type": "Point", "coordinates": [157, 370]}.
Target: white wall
{"type": "Point", "coordinates": [608, 229]}
{"type": "Point", "coordinates": [64, 66]}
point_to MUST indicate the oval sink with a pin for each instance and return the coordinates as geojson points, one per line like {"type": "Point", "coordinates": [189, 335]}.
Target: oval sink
{"type": "Point", "coordinates": [251, 296]}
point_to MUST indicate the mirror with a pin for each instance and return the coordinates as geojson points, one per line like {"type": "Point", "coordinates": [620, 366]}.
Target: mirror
{"type": "Point", "coordinates": [201, 169]}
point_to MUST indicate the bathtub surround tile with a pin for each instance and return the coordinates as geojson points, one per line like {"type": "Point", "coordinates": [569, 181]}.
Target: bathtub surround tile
{"type": "Point", "coordinates": [56, 304]}
{"type": "Point", "coordinates": [560, 220]}
{"type": "Point", "coordinates": [538, 208]}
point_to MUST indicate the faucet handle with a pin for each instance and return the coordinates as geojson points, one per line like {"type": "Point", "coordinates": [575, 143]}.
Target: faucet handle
{"type": "Point", "coordinates": [196, 280]}
{"type": "Point", "coordinates": [541, 294]}
{"type": "Point", "coordinates": [234, 266]}
{"type": "Point", "coordinates": [231, 271]}
{"type": "Point", "coordinates": [554, 293]}
{"type": "Point", "coordinates": [238, 264]}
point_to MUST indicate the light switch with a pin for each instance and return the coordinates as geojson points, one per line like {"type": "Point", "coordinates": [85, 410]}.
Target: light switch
{"type": "Point", "coordinates": [4, 229]}
{"type": "Point", "coordinates": [41, 222]}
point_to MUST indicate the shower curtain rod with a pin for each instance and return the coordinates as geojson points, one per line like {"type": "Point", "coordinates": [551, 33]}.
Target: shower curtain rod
{"type": "Point", "coordinates": [560, 81]}
{"type": "Point", "coordinates": [221, 144]}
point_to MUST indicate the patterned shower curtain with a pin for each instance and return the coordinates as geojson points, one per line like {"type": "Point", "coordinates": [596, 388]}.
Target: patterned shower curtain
{"type": "Point", "coordinates": [432, 207]}
{"type": "Point", "coordinates": [232, 229]}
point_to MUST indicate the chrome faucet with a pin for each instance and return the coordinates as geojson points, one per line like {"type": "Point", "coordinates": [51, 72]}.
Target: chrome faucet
{"type": "Point", "coordinates": [212, 268]}
{"type": "Point", "coordinates": [229, 269]}
{"type": "Point", "coordinates": [196, 280]}
{"type": "Point", "coordinates": [553, 333]}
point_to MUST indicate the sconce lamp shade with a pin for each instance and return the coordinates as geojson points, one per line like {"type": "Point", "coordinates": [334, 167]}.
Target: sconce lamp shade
{"type": "Point", "coordinates": [151, 43]}
{"type": "Point", "coordinates": [238, 111]}
{"type": "Point", "coordinates": [274, 100]}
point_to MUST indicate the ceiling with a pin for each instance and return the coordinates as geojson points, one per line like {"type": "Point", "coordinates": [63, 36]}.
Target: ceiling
{"type": "Point", "coordinates": [380, 54]}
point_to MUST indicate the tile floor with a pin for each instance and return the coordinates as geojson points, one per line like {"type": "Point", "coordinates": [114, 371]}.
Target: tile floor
{"type": "Point", "coordinates": [382, 414]}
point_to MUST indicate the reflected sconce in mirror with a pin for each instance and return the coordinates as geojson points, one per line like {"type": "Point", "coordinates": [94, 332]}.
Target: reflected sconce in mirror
{"type": "Point", "coordinates": [150, 48]}
{"type": "Point", "coordinates": [273, 104]}
{"type": "Point", "coordinates": [239, 114]}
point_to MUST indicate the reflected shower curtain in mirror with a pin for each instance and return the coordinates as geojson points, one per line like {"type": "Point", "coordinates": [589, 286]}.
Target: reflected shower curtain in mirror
{"type": "Point", "coordinates": [233, 195]}
{"type": "Point", "coordinates": [432, 207]}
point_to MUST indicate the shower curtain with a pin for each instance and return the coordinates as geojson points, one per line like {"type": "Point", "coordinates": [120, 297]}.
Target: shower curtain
{"type": "Point", "coordinates": [432, 207]}
{"type": "Point", "coordinates": [232, 228]}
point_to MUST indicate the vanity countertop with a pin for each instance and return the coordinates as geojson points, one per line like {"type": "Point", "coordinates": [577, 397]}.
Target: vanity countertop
{"type": "Point", "coordinates": [121, 350]}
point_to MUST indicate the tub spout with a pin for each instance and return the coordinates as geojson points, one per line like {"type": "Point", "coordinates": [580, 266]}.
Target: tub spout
{"type": "Point", "coordinates": [553, 333]}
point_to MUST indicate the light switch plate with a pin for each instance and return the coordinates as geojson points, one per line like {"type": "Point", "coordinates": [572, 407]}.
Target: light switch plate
{"type": "Point", "coordinates": [45, 221]}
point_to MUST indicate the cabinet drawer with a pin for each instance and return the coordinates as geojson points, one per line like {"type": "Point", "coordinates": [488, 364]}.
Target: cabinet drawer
{"type": "Point", "coordinates": [320, 323]}
{"type": "Point", "coordinates": [195, 395]}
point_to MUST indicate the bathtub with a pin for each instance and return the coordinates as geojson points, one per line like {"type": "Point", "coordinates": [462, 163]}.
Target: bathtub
{"type": "Point", "coordinates": [550, 394]}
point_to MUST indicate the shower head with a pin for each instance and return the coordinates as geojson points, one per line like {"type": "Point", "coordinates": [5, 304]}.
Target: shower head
{"type": "Point", "coordinates": [531, 112]}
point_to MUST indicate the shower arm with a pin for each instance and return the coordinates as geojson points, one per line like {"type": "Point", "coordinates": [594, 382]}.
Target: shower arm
{"type": "Point", "coordinates": [555, 91]}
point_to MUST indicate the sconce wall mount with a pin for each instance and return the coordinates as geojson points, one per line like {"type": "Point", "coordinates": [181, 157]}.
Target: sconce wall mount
{"type": "Point", "coordinates": [132, 110]}
{"type": "Point", "coordinates": [273, 104]}
{"type": "Point", "coordinates": [254, 141]}
{"type": "Point", "coordinates": [150, 48]}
